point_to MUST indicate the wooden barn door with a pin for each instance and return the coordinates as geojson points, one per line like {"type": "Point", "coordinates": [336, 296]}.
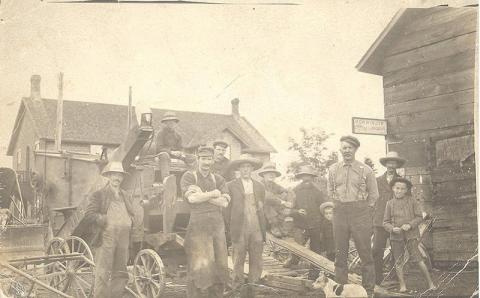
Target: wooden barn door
{"type": "Point", "coordinates": [454, 200]}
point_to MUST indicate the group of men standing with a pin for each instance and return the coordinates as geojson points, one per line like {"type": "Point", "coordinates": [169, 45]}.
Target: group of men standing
{"type": "Point", "coordinates": [226, 202]}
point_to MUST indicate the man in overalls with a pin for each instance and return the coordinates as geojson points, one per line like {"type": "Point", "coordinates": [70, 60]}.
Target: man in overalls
{"type": "Point", "coordinates": [246, 222]}
{"type": "Point", "coordinates": [109, 215]}
{"type": "Point", "coordinates": [353, 189]}
{"type": "Point", "coordinates": [205, 244]}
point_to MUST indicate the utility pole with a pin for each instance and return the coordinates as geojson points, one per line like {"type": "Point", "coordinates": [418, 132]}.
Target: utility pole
{"type": "Point", "coordinates": [59, 124]}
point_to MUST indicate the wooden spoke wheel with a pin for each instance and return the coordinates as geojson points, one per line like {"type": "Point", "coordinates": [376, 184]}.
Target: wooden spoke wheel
{"type": "Point", "coordinates": [80, 271]}
{"type": "Point", "coordinates": [56, 272]}
{"type": "Point", "coordinates": [148, 274]}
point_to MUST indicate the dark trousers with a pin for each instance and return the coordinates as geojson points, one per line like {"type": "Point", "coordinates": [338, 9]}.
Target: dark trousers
{"type": "Point", "coordinates": [380, 237]}
{"type": "Point", "coordinates": [353, 219]}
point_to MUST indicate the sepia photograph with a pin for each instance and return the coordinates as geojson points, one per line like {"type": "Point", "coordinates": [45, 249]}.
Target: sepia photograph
{"type": "Point", "coordinates": [238, 148]}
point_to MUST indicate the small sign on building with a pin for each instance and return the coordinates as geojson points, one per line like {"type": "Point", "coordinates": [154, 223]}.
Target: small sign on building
{"type": "Point", "coordinates": [368, 126]}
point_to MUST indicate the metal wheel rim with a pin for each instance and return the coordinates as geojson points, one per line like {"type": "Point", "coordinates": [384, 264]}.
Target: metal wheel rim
{"type": "Point", "coordinates": [149, 274]}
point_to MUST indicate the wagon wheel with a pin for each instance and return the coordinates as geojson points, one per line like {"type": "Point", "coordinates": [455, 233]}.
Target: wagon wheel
{"type": "Point", "coordinates": [56, 272]}
{"type": "Point", "coordinates": [80, 271]}
{"type": "Point", "coordinates": [148, 274]}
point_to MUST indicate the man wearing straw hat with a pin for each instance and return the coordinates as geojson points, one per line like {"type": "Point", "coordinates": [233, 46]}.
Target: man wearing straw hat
{"type": "Point", "coordinates": [246, 222]}
{"type": "Point", "coordinates": [205, 243]}
{"type": "Point", "coordinates": [392, 162]}
{"type": "Point", "coordinates": [278, 200]}
{"type": "Point", "coordinates": [109, 215]}
{"type": "Point", "coordinates": [168, 144]}
{"type": "Point", "coordinates": [353, 189]}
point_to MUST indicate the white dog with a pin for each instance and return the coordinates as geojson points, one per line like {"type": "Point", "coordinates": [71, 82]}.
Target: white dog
{"type": "Point", "coordinates": [332, 289]}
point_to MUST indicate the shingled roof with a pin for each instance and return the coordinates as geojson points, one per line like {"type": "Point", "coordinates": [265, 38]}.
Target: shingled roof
{"type": "Point", "coordinates": [198, 128]}
{"type": "Point", "coordinates": [83, 122]}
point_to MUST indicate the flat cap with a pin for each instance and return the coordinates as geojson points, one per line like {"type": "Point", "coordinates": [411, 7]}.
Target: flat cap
{"type": "Point", "coordinates": [204, 151]}
{"type": "Point", "coordinates": [350, 139]}
{"type": "Point", "coordinates": [220, 143]}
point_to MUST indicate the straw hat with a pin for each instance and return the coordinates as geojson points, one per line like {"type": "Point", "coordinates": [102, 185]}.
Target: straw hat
{"type": "Point", "coordinates": [246, 158]}
{"type": "Point", "coordinates": [269, 167]}
{"type": "Point", "coordinates": [306, 170]}
{"type": "Point", "coordinates": [114, 167]}
{"type": "Point", "coordinates": [169, 116]}
{"type": "Point", "coordinates": [392, 155]}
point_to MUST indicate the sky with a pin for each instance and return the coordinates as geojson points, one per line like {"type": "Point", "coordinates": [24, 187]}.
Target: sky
{"type": "Point", "coordinates": [291, 66]}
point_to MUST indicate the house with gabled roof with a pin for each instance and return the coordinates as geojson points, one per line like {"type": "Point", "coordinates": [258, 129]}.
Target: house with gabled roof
{"type": "Point", "coordinates": [198, 128]}
{"type": "Point", "coordinates": [87, 127]}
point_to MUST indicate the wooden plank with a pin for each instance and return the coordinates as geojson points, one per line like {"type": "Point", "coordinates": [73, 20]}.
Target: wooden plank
{"type": "Point", "coordinates": [420, 179]}
{"type": "Point", "coordinates": [443, 101]}
{"type": "Point", "coordinates": [451, 174]}
{"type": "Point", "coordinates": [431, 120]}
{"type": "Point", "coordinates": [456, 26]}
{"type": "Point", "coordinates": [430, 86]}
{"type": "Point", "coordinates": [436, 16]}
{"type": "Point", "coordinates": [417, 171]}
{"type": "Point", "coordinates": [456, 187]}
{"type": "Point", "coordinates": [437, 67]}
{"type": "Point", "coordinates": [310, 256]}
{"type": "Point", "coordinates": [449, 47]}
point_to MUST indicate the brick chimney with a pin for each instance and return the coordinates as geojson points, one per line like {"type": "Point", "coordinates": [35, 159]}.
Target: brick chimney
{"type": "Point", "coordinates": [235, 108]}
{"type": "Point", "coordinates": [35, 87]}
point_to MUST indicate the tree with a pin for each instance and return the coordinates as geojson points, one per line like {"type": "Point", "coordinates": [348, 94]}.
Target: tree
{"type": "Point", "coordinates": [311, 150]}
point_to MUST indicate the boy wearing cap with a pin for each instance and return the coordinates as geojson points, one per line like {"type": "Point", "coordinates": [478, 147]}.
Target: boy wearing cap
{"type": "Point", "coordinates": [402, 216]}
{"type": "Point", "coordinates": [246, 221]}
{"type": "Point", "coordinates": [109, 216]}
{"type": "Point", "coordinates": [278, 201]}
{"type": "Point", "coordinates": [353, 189]}
{"type": "Point", "coordinates": [326, 209]}
{"type": "Point", "coordinates": [392, 162]}
{"type": "Point", "coordinates": [205, 243]}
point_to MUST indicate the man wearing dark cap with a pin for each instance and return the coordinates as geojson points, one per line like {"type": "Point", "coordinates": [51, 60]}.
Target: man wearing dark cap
{"type": "Point", "coordinates": [220, 162]}
{"type": "Point", "coordinates": [205, 244]}
{"type": "Point", "coordinates": [353, 189]}
{"type": "Point", "coordinates": [168, 144]}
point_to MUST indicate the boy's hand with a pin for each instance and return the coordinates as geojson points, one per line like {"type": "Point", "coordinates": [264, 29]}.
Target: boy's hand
{"type": "Point", "coordinates": [406, 227]}
{"type": "Point", "coordinates": [216, 193]}
{"type": "Point", "coordinates": [302, 212]}
{"type": "Point", "coordinates": [397, 230]}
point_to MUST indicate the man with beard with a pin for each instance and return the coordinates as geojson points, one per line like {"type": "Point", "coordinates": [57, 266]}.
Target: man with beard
{"type": "Point", "coordinates": [353, 189]}
{"type": "Point", "coordinates": [108, 219]}
{"type": "Point", "coordinates": [392, 162]}
{"type": "Point", "coordinates": [205, 243]}
{"type": "Point", "coordinates": [220, 162]}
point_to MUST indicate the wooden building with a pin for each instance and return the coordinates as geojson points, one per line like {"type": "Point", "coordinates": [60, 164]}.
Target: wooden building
{"type": "Point", "coordinates": [426, 57]}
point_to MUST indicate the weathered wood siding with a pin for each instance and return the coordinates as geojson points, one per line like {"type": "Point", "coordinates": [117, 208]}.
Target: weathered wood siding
{"type": "Point", "coordinates": [428, 79]}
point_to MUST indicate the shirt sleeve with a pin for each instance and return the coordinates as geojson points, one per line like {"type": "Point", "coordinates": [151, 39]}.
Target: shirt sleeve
{"type": "Point", "coordinates": [160, 142]}
{"type": "Point", "coordinates": [372, 188]}
{"type": "Point", "coordinates": [188, 179]}
{"type": "Point", "coordinates": [387, 218]}
{"type": "Point", "coordinates": [417, 211]}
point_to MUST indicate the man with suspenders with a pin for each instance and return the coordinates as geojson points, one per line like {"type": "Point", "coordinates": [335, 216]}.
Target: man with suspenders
{"type": "Point", "coordinates": [353, 189]}
{"type": "Point", "coordinates": [205, 243]}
